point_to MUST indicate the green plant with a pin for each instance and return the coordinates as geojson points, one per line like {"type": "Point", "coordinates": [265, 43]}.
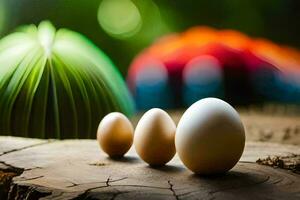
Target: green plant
{"type": "Point", "coordinates": [56, 84]}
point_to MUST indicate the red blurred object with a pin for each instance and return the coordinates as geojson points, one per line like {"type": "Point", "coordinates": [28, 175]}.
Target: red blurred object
{"type": "Point", "coordinates": [241, 57]}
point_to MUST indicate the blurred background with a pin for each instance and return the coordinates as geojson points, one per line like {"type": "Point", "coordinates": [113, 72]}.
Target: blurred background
{"type": "Point", "coordinates": [104, 21]}
{"type": "Point", "coordinates": [125, 28]}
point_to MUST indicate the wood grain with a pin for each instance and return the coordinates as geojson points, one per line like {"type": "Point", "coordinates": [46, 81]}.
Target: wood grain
{"type": "Point", "coordinates": [77, 169]}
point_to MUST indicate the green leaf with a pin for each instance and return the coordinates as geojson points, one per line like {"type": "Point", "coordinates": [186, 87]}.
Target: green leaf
{"type": "Point", "coordinates": [56, 84]}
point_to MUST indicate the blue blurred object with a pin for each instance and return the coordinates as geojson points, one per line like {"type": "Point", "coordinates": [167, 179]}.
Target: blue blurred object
{"type": "Point", "coordinates": [276, 85]}
{"type": "Point", "coordinates": [202, 77]}
{"type": "Point", "coordinates": [152, 88]}
{"type": "Point", "coordinates": [288, 85]}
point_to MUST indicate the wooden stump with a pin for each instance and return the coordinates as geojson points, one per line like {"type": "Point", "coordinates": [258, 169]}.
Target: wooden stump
{"type": "Point", "coordinates": [77, 169]}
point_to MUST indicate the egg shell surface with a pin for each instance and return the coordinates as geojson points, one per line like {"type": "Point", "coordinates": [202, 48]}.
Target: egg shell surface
{"type": "Point", "coordinates": [115, 134]}
{"type": "Point", "coordinates": [154, 137]}
{"type": "Point", "coordinates": [210, 137]}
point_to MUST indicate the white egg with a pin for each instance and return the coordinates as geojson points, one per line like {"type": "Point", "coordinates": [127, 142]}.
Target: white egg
{"type": "Point", "coordinates": [210, 137]}
{"type": "Point", "coordinates": [115, 134]}
{"type": "Point", "coordinates": [154, 137]}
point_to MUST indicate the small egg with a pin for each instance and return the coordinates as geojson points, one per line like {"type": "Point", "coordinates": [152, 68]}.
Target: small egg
{"type": "Point", "coordinates": [210, 137]}
{"type": "Point", "coordinates": [115, 134]}
{"type": "Point", "coordinates": [154, 137]}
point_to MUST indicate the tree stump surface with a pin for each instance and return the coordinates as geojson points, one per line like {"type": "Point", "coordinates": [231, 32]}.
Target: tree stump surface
{"type": "Point", "coordinates": [78, 169]}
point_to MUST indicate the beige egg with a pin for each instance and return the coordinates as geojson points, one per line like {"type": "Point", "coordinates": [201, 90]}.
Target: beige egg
{"type": "Point", "coordinates": [154, 137]}
{"type": "Point", "coordinates": [115, 134]}
{"type": "Point", "coordinates": [210, 137]}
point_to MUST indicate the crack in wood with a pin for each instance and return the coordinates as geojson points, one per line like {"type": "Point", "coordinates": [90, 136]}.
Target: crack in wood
{"type": "Point", "coordinates": [33, 168]}
{"type": "Point", "coordinates": [172, 190]}
{"type": "Point", "coordinates": [120, 179]}
{"type": "Point", "coordinates": [29, 179]}
{"type": "Point", "coordinates": [10, 168]}
{"type": "Point", "coordinates": [73, 184]}
{"type": "Point", "coordinates": [27, 147]}
{"type": "Point", "coordinates": [106, 182]}
{"type": "Point", "coordinates": [85, 194]}
{"type": "Point", "coordinates": [145, 186]}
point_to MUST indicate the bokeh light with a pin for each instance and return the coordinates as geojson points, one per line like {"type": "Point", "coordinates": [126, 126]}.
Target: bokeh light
{"type": "Point", "coordinates": [205, 62]}
{"type": "Point", "coordinates": [153, 86]}
{"type": "Point", "coordinates": [119, 18]}
{"type": "Point", "coordinates": [202, 77]}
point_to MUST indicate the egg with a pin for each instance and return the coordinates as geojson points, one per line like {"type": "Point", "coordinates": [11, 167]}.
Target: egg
{"type": "Point", "coordinates": [154, 137]}
{"type": "Point", "coordinates": [115, 134]}
{"type": "Point", "coordinates": [210, 137]}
